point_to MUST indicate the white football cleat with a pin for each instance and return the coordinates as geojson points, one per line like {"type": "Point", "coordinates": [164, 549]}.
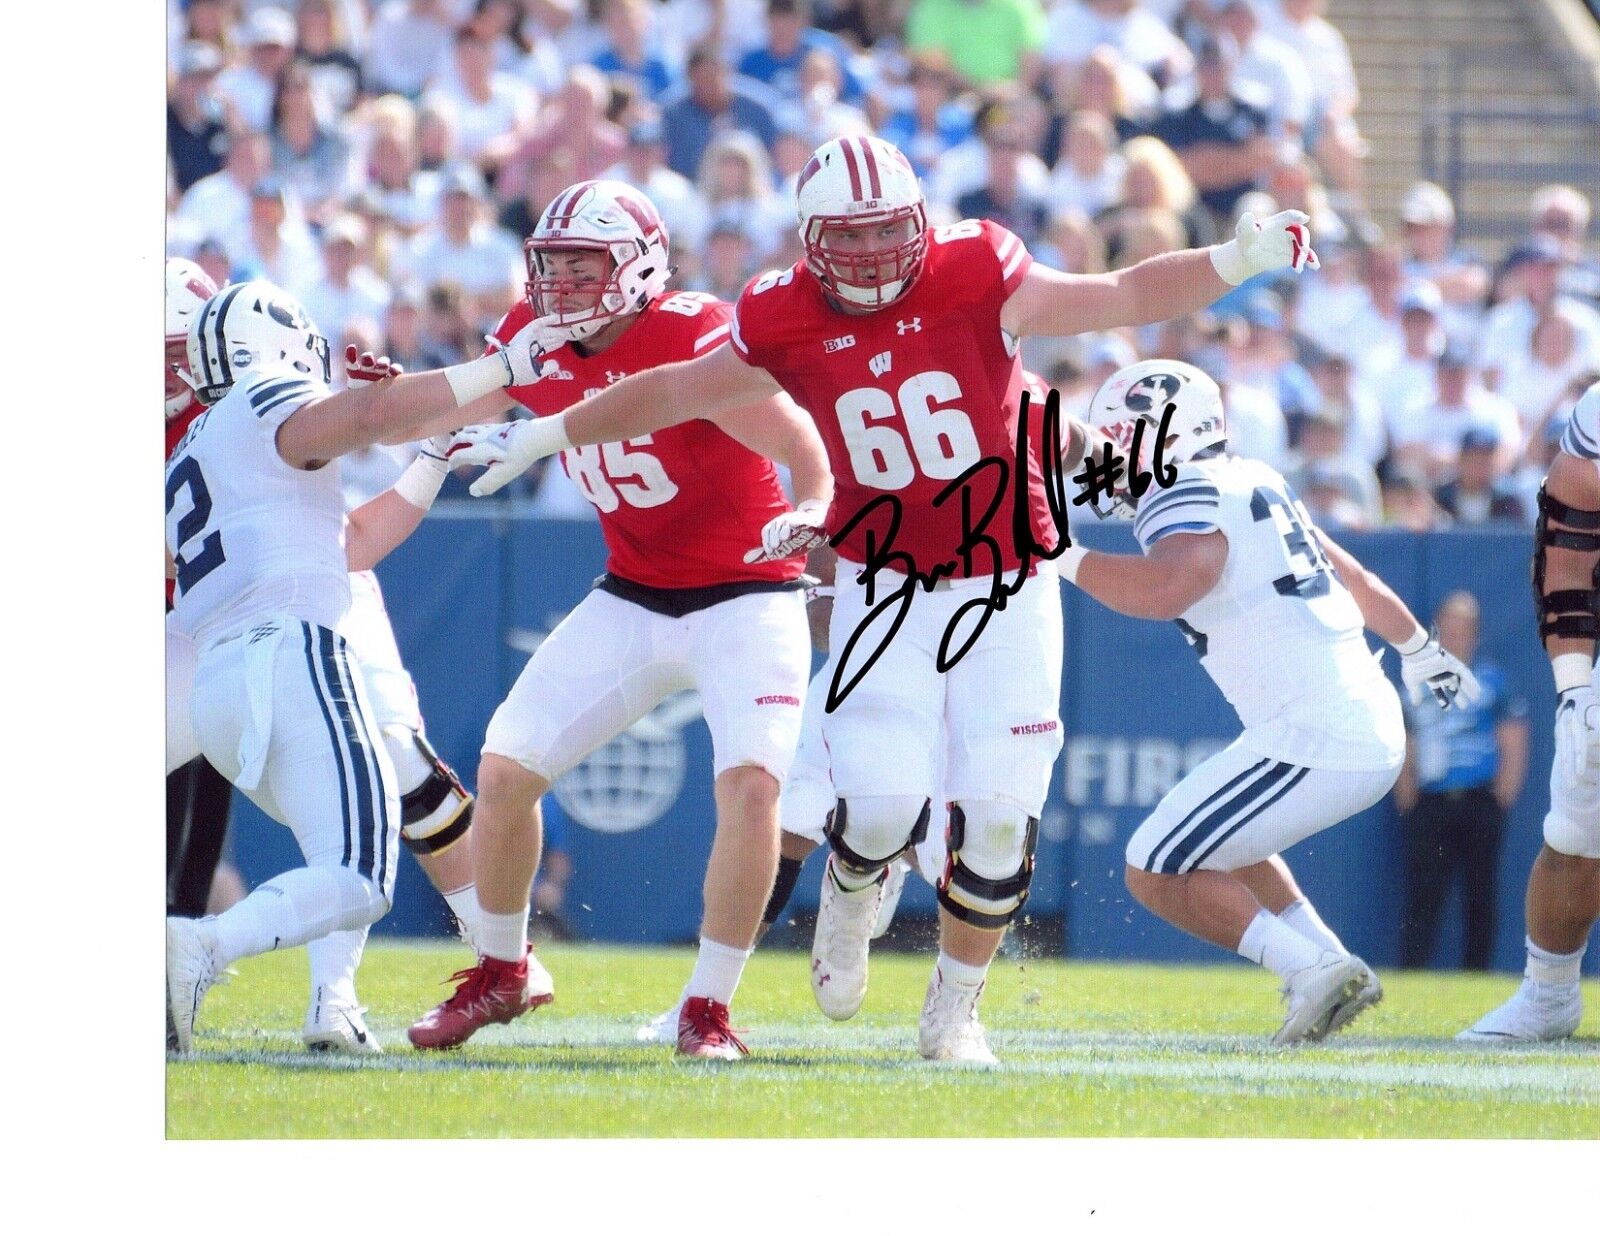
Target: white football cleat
{"type": "Point", "coordinates": [839, 948]}
{"type": "Point", "coordinates": [1537, 1013]}
{"type": "Point", "coordinates": [1317, 993]}
{"type": "Point", "coordinates": [1371, 993]}
{"type": "Point", "coordinates": [337, 1027]}
{"type": "Point", "coordinates": [191, 972]}
{"type": "Point", "coordinates": [661, 1031]}
{"type": "Point", "coordinates": [893, 885]}
{"type": "Point", "coordinates": [949, 1028]}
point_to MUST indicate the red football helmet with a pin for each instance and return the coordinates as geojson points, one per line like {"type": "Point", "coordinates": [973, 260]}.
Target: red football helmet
{"type": "Point", "coordinates": [188, 287]}
{"type": "Point", "coordinates": [862, 219]}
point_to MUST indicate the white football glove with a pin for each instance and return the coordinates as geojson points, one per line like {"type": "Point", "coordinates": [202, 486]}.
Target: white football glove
{"type": "Point", "coordinates": [1578, 732]}
{"type": "Point", "coordinates": [505, 451]}
{"type": "Point", "coordinates": [526, 351]}
{"type": "Point", "coordinates": [793, 532]}
{"type": "Point", "coordinates": [1431, 668]}
{"type": "Point", "coordinates": [1282, 242]}
{"type": "Point", "coordinates": [365, 369]}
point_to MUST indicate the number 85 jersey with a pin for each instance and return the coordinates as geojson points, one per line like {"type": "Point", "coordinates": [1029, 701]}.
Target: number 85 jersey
{"type": "Point", "coordinates": [1279, 634]}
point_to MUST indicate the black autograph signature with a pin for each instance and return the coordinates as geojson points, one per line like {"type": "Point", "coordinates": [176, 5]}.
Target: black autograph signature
{"type": "Point", "coordinates": [983, 488]}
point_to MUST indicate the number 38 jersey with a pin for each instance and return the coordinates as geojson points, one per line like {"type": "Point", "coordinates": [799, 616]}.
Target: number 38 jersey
{"type": "Point", "coordinates": [1280, 635]}
{"type": "Point", "coordinates": [252, 537]}
{"type": "Point", "coordinates": [910, 397]}
{"type": "Point", "coordinates": [679, 508]}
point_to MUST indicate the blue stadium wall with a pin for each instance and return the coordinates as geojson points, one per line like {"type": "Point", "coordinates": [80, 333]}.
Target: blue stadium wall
{"type": "Point", "coordinates": [472, 591]}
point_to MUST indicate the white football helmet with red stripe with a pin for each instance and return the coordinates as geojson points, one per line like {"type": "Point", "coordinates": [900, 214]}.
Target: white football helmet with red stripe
{"type": "Point", "coordinates": [188, 287]}
{"type": "Point", "coordinates": [608, 216]}
{"type": "Point", "coordinates": [862, 219]}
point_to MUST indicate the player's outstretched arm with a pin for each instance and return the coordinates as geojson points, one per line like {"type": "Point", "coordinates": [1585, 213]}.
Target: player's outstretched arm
{"type": "Point", "coordinates": [1177, 571]}
{"type": "Point", "coordinates": [1425, 667]}
{"type": "Point", "coordinates": [376, 527]}
{"type": "Point", "coordinates": [779, 430]}
{"type": "Point", "coordinates": [1169, 285]}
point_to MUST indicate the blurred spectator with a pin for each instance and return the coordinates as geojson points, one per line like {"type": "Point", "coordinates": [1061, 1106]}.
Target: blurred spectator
{"type": "Point", "coordinates": [447, 331]}
{"type": "Point", "coordinates": [935, 121]}
{"type": "Point", "coordinates": [1464, 769]}
{"type": "Point", "coordinates": [436, 133]}
{"type": "Point", "coordinates": [464, 248]}
{"type": "Point", "coordinates": [627, 52]}
{"type": "Point", "coordinates": [212, 257]}
{"type": "Point", "coordinates": [680, 204]}
{"type": "Point", "coordinates": [267, 41]}
{"type": "Point", "coordinates": [1089, 176]}
{"type": "Point", "coordinates": [1533, 269]}
{"type": "Point", "coordinates": [1557, 355]}
{"type": "Point", "coordinates": [1256, 426]}
{"type": "Point", "coordinates": [309, 155]}
{"type": "Point", "coordinates": [197, 138]}
{"type": "Point", "coordinates": [735, 182]}
{"type": "Point", "coordinates": [277, 245]}
{"type": "Point", "coordinates": [399, 192]}
{"type": "Point", "coordinates": [821, 114]}
{"type": "Point", "coordinates": [1105, 83]}
{"type": "Point", "coordinates": [1221, 138]}
{"type": "Point", "coordinates": [1428, 222]}
{"type": "Point", "coordinates": [1004, 114]}
{"type": "Point", "coordinates": [1269, 65]}
{"type": "Point", "coordinates": [323, 45]}
{"type": "Point", "coordinates": [489, 107]}
{"type": "Point", "coordinates": [1479, 492]}
{"type": "Point", "coordinates": [1294, 185]}
{"type": "Point", "coordinates": [1408, 501]}
{"type": "Point", "coordinates": [1562, 213]}
{"type": "Point", "coordinates": [1545, 444]}
{"type": "Point", "coordinates": [348, 289]}
{"type": "Point", "coordinates": [730, 260]}
{"type": "Point", "coordinates": [1332, 137]}
{"type": "Point", "coordinates": [208, 21]}
{"type": "Point", "coordinates": [402, 333]}
{"type": "Point", "coordinates": [1005, 195]}
{"type": "Point", "coordinates": [408, 42]}
{"type": "Point", "coordinates": [987, 40]}
{"type": "Point", "coordinates": [1329, 299]}
{"type": "Point", "coordinates": [219, 204]}
{"type": "Point", "coordinates": [1324, 459]}
{"type": "Point", "coordinates": [714, 100]}
{"type": "Point", "coordinates": [1077, 27]}
{"type": "Point", "coordinates": [790, 38]}
{"type": "Point", "coordinates": [1365, 438]}
{"type": "Point", "coordinates": [1374, 338]}
{"type": "Point", "coordinates": [1154, 177]}
{"type": "Point", "coordinates": [522, 46]}
{"type": "Point", "coordinates": [1429, 433]}
{"type": "Point", "coordinates": [1407, 379]}
{"type": "Point", "coordinates": [575, 123]}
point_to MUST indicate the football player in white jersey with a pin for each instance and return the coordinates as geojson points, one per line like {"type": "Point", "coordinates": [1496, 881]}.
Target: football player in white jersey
{"type": "Point", "coordinates": [261, 549]}
{"type": "Point", "coordinates": [1275, 611]}
{"type": "Point", "coordinates": [1563, 899]}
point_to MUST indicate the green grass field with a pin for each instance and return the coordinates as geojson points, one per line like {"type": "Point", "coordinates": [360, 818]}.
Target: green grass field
{"type": "Point", "coordinates": [1120, 1050]}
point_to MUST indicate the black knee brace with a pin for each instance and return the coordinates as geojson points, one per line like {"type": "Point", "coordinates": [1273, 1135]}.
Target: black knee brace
{"type": "Point", "coordinates": [437, 814]}
{"type": "Point", "coordinates": [834, 829]}
{"type": "Point", "coordinates": [1570, 613]}
{"type": "Point", "coordinates": [977, 899]}
{"type": "Point", "coordinates": [782, 888]}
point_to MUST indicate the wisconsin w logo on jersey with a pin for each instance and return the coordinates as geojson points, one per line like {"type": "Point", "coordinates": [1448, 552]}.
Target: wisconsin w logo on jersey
{"type": "Point", "coordinates": [880, 363]}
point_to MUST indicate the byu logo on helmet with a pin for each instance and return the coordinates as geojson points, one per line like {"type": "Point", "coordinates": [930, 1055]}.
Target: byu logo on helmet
{"type": "Point", "coordinates": [246, 326]}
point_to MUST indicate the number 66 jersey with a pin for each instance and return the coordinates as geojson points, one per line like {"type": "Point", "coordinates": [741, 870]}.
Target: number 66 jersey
{"type": "Point", "coordinates": [1279, 634]}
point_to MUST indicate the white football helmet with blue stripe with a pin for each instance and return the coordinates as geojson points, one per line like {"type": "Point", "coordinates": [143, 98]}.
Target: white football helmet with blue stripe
{"type": "Point", "coordinates": [245, 326]}
{"type": "Point", "coordinates": [1144, 392]}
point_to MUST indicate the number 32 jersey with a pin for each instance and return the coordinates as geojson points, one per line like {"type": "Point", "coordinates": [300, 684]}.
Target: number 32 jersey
{"type": "Point", "coordinates": [254, 538]}
{"type": "Point", "coordinates": [1280, 635]}
{"type": "Point", "coordinates": [910, 397]}
{"type": "Point", "coordinates": [679, 508]}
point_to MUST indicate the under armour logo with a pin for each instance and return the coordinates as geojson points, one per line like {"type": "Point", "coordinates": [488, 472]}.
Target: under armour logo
{"type": "Point", "coordinates": [612, 376]}
{"type": "Point", "coordinates": [907, 328]}
{"type": "Point", "coordinates": [879, 364]}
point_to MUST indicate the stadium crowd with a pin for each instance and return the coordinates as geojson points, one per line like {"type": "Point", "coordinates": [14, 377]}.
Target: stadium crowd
{"type": "Point", "coordinates": [382, 159]}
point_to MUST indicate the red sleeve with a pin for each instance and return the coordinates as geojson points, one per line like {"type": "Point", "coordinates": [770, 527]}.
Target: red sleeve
{"type": "Point", "coordinates": [1011, 254]}
{"type": "Point", "coordinates": [759, 307]}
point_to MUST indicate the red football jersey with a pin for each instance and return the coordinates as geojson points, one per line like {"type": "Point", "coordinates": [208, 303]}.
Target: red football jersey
{"type": "Point", "coordinates": [679, 508]}
{"type": "Point", "coordinates": [910, 397]}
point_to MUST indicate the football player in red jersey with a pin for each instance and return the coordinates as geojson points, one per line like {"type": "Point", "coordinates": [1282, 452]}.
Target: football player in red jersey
{"type": "Point", "coordinates": [685, 603]}
{"type": "Point", "coordinates": [902, 343]}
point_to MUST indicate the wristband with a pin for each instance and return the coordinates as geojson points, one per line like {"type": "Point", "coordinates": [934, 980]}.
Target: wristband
{"type": "Point", "coordinates": [1229, 262]}
{"type": "Point", "coordinates": [419, 484]}
{"type": "Point", "coordinates": [476, 378]}
{"type": "Point", "coordinates": [1067, 565]}
{"type": "Point", "coordinates": [1571, 669]}
{"type": "Point", "coordinates": [1413, 644]}
{"type": "Point", "coordinates": [549, 433]}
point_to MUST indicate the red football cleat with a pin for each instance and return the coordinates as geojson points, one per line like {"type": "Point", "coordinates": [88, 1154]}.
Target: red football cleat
{"type": "Point", "coordinates": [492, 992]}
{"type": "Point", "coordinates": [704, 1033]}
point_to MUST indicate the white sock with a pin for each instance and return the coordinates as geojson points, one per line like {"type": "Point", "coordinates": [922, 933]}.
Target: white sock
{"type": "Point", "coordinates": [463, 903]}
{"type": "Point", "coordinates": [295, 908]}
{"type": "Point", "coordinates": [334, 959]}
{"type": "Point", "coordinates": [502, 936]}
{"type": "Point", "coordinates": [1303, 917]}
{"type": "Point", "coordinates": [716, 971]}
{"type": "Point", "coordinates": [1270, 942]}
{"type": "Point", "coordinates": [1549, 969]}
{"type": "Point", "coordinates": [959, 973]}
{"type": "Point", "coordinates": [850, 881]}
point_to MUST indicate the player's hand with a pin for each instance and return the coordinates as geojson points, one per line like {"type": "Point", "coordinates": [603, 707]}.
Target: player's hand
{"type": "Point", "coordinates": [1280, 242]}
{"type": "Point", "coordinates": [1432, 669]}
{"type": "Point", "coordinates": [363, 368]}
{"type": "Point", "coordinates": [503, 451]}
{"type": "Point", "coordinates": [526, 353]}
{"type": "Point", "coordinates": [1578, 732]}
{"type": "Point", "coordinates": [794, 532]}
